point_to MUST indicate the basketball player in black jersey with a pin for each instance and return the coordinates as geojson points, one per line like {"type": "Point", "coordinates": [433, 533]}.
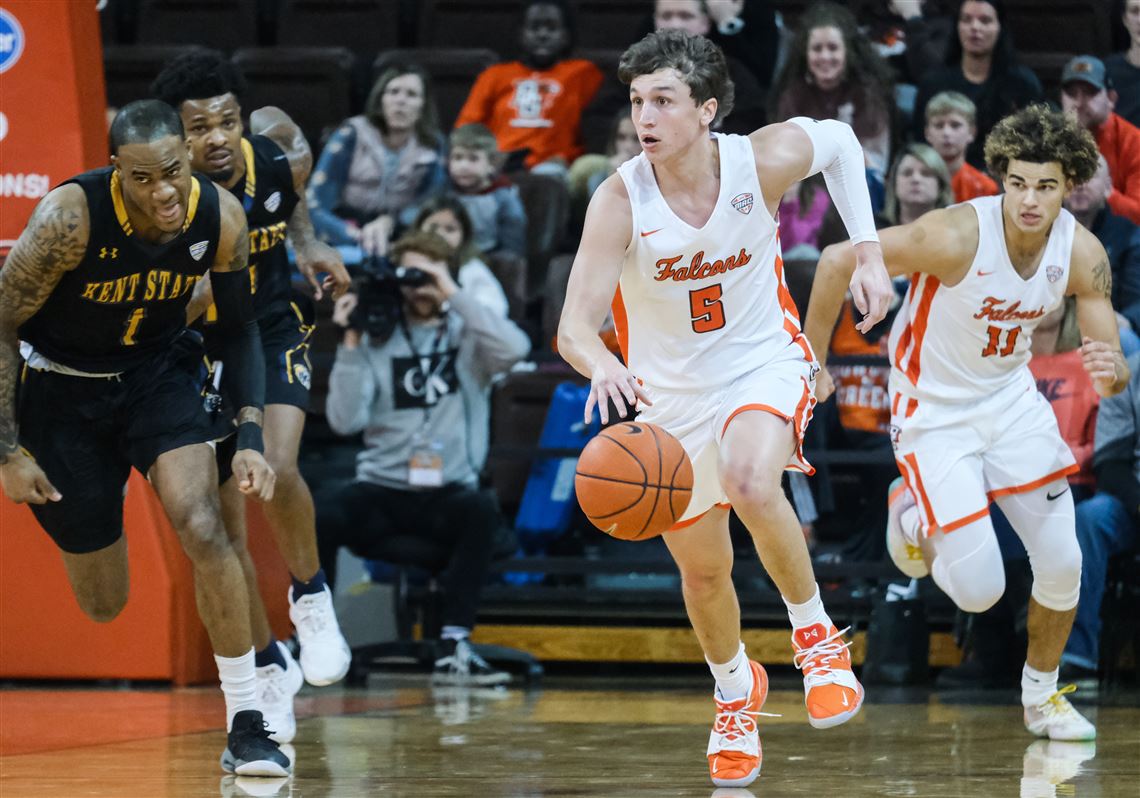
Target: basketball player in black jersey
{"type": "Point", "coordinates": [267, 172]}
{"type": "Point", "coordinates": [96, 288]}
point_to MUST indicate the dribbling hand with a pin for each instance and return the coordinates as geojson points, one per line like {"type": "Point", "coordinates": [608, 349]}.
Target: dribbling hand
{"type": "Point", "coordinates": [24, 482]}
{"type": "Point", "coordinates": [255, 477]}
{"type": "Point", "coordinates": [612, 380]}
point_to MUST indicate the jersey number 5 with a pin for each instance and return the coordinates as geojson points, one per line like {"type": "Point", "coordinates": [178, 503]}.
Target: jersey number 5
{"type": "Point", "coordinates": [995, 340]}
{"type": "Point", "coordinates": [706, 309]}
{"type": "Point", "coordinates": [132, 326]}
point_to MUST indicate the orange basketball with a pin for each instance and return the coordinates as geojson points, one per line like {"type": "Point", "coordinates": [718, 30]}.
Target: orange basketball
{"type": "Point", "coordinates": [634, 480]}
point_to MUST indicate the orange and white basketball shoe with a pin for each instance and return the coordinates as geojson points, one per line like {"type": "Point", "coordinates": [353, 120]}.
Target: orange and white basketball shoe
{"type": "Point", "coordinates": [903, 530]}
{"type": "Point", "coordinates": [734, 745]}
{"type": "Point", "coordinates": [832, 694]}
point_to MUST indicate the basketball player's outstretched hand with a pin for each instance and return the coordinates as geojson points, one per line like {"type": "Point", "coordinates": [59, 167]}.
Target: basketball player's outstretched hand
{"type": "Point", "coordinates": [612, 380]}
{"type": "Point", "coordinates": [24, 481]}
{"type": "Point", "coordinates": [871, 288]}
{"type": "Point", "coordinates": [255, 477]}
{"type": "Point", "coordinates": [1099, 360]}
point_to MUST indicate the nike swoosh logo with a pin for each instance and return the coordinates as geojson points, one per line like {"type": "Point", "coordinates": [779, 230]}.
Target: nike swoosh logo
{"type": "Point", "coordinates": [651, 232]}
{"type": "Point", "coordinates": [844, 696]}
{"type": "Point", "coordinates": [734, 670]}
{"type": "Point", "coordinates": [1051, 497]}
{"type": "Point", "coordinates": [984, 274]}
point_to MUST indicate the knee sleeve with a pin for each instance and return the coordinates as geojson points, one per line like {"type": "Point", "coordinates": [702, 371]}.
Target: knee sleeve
{"type": "Point", "coordinates": [1045, 521]}
{"type": "Point", "coordinates": [968, 567]}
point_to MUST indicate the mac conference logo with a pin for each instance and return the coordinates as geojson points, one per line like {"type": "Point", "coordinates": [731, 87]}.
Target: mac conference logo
{"type": "Point", "coordinates": [11, 40]}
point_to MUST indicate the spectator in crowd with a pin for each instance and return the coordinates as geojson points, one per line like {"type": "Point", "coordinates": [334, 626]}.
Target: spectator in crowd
{"type": "Point", "coordinates": [1088, 202]}
{"type": "Point", "coordinates": [918, 182]}
{"type": "Point", "coordinates": [1107, 522]}
{"type": "Point", "coordinates": [951, 127]}
{"type": "Point", "coordinates": [377, 167]}
{"type": "Point", "coordinates": [418, 387]}
{"type": "Point", "coordinates": [536, 103]}
{"type": "Point", "coordinates": [832, 72]}
{"type": "Point", "coordinates": [750, 38]}
{"type": "Point", "coordinates": [981, 64]}
{"type": "Point", "coordinates": [912, 36]}
{"type": "Point", "coordinates": [447, 217]}
{"type": "Point", "coordinates": [492, 201]}
{"type": "Point", "coordinates": [588, 172]}
{"type": "Point", "coordinates": [1087, 93]}
{"type": "Point", "coordinates": [1124, 68]}
{"type": "Point", "coordinates": [803, 209]}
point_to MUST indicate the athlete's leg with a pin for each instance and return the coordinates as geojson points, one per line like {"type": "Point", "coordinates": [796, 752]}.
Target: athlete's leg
{"type": "Point", "coordinates": [755, 447]}
{"type": "Point", "coordinates": [1045, 521]}
{"type": "Point", "coordinates": [186, 482]}
{"type": "Point", "coordinates": [753, 452]}
{"type": "Point", "coordinates": [703, 553]}
{"type": "Point", "coordinates": [966, 563]}
{"type": "Point", "coordinates": [233, 516]}
{"type": "Point", "coordinates": [100, 580]}
{"type": "Point", "coordinates": [290, 511]}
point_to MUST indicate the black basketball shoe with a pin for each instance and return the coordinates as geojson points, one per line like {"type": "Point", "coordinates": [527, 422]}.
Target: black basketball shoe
{"type": "Point", "coordinates": [250, 752]}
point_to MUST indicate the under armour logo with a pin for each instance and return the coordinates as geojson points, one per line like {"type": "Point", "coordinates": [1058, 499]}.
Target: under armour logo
{"type": "Point", "coordinates": [111, 253]}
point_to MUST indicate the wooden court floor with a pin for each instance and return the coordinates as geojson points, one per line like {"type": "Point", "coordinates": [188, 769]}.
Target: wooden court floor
{"type": "Point", "coordinates": [582, 738]}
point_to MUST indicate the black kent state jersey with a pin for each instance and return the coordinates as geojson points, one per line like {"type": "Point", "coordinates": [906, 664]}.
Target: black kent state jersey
{"type": "Point", "coordinates": [266, 192]}
{"type": "Point", "coordinates": [127, 298]}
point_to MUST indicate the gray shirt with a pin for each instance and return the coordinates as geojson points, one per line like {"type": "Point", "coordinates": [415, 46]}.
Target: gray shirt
{"type": "Point", "coordinates": [1118, 422]}
{"type": "Point", "coordinates": [434, 391]}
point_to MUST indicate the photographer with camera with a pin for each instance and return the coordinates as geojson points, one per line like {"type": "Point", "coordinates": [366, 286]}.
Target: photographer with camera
{"type": "Point", "coordinates": [414, 373]}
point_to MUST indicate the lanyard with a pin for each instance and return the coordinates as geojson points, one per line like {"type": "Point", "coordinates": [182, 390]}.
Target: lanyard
{"type": "Point", "coordinates": [423, 361]}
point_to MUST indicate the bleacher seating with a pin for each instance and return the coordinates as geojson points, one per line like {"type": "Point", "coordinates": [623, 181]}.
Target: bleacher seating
{"type": "Point", "coordinates": [453, 71]}
{"type": "Point", "coordinates": [363, 26]}
{"type": "Point", "coordinates": [312, 84]}
{"type": "Point", "coordinates": [222, 24]}
{"type": "Point", "coordinates": [457, 23]}
{"type": "Point", "coordinates": [129, 70]}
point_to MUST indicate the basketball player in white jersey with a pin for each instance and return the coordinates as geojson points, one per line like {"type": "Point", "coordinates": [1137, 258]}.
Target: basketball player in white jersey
{"type": "Point", "coordinates": [967, 423]}
{"type": "Point", "coordinates": [684, 242]}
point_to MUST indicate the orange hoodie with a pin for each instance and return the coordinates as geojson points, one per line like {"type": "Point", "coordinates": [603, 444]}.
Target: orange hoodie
{"type": "Point", "coordinates": [1119, 143]}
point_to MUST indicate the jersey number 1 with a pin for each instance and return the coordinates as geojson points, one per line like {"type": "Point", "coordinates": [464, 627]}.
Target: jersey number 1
{"type": "Point", "coordinates": [706, 309]}
{"type": "Point", "coordinates": [132, 326]}
{"type": "Point", "coordinates": [995, 340]}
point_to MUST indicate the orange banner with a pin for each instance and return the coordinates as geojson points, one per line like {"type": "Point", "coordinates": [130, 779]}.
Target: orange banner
{"type": "Point", "coordinates": [52, 102]}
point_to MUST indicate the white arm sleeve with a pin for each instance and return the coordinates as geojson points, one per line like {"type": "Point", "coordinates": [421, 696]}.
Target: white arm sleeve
{"type": "Point", "coordinates": [836, 153]}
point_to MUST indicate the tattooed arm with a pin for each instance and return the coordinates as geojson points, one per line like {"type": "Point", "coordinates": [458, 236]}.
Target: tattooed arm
{"type": "Point", "coordinates": [313, 256]}
{"type": "Point", "coordinates": [52, 244]}
{"type": "Point", "coordinates": [1090, 280]}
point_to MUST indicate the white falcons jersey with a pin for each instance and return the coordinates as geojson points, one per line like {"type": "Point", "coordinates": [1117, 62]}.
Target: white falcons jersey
{"type": "Point", "coordinates": [697, 308]}
{"type": "Point", "coordinates": [970, 340]}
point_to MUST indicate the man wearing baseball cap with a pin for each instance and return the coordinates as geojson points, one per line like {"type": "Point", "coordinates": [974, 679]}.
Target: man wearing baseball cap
{"type": "Point", "coordinates": [1087, 94]}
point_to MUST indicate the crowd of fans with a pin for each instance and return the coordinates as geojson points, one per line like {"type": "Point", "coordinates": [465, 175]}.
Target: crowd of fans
{"type": "Point", "coordinates": [921, 83]}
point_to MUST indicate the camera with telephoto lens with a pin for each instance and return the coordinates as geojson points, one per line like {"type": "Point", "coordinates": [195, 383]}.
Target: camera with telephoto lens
{"type": "Point", "coordinates": [378, 308]}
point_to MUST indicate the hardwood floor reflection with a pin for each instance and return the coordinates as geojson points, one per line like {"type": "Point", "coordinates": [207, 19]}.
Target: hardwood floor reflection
{"type": "Point", "coordinates": [581, 738]}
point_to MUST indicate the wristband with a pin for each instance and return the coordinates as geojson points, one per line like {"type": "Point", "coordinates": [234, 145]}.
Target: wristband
{"type": "Point", "coordinates": [249, 437]}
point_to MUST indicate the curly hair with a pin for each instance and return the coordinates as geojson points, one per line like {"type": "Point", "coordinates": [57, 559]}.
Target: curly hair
{"type": "Point", "coordinates": [864, 69]}
{"type": "Point", "coordinates": [1039, 134]}
{"type": "Point", "coordinates": [700, 63]}
{"type": "Point", "coordinates": [196, 75]}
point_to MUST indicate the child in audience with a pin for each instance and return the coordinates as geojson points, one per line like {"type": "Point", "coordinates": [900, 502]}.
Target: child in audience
{"type": "Point", "coordinates": [951, 126]}
{"type": "Point", "coordinates": [492, 201]}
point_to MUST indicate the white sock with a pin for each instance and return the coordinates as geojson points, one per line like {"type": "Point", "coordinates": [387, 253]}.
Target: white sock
{"type": "Point", "coordinates": [1037, 686]}
{"type": "Point", "coordinates": [455, 633]}
{"type": "Point", "coordinates": [809, 613]}
{"type": "Point", "coordinates": [733, 678]}
{"type": "Point", "coordinates": [239, 683]}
